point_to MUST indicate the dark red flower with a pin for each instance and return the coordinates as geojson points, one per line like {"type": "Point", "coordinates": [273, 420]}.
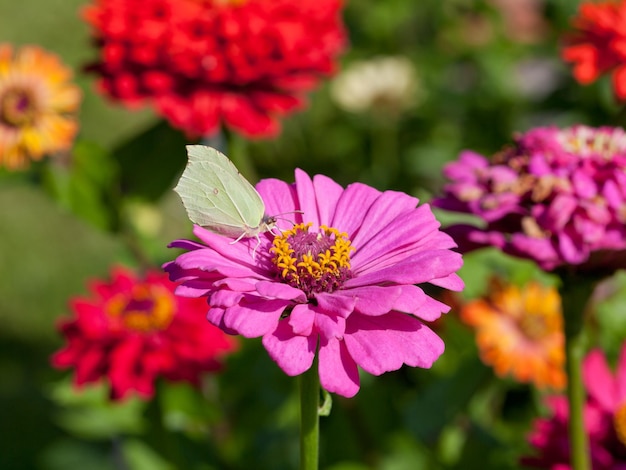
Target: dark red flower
{"type": "Point", "coordinates": [132, 331]}
{"type": "Point", "coordinates": [598, 44]}
{"type": "Point", "coordinates": [201, 63]}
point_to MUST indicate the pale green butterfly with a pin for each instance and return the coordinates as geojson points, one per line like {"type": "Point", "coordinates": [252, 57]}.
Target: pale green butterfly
{"type": "Point", "coordinates": [218, 198]}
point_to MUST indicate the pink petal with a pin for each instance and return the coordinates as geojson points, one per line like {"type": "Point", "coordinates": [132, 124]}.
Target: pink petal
{"type": "Point", "coordinates": [209, 261]}
{"type": "Point", "coordinates": [338, 371]}
{"type": "Point", "coordinates": [330, 326]}
{"type": "Point", "coordinates": [417, 303]}
{"type": "Point", "coordinates": [599, 380]}
{"type": "Point", "coordinates": [225, 248]}
{"type": "Point", "coordinates": [372, 300]}
{"type": "Point", "coordinates": [279, 198]}
{"type": "Point", "coordinates": [335, 304]}
{"type": "Point", "coordinates": [306, 199]}
{"type": "Point", "coordinates": [195, 288]}
{"type": "Point", "coordinates": [346, 218]}
{"type": "Point", "coordinates": [254, 316]}
{"type": "Point", "coordinates": [387, 207]}
{"type": "Point", "coordinates": [277, 290]}
{"type": "Point", "coordinates": [293, 354]}
{"type": "Point", "coordinates": [302, 319]}
{"type": "Point", "coordinates": [451, 282]}
{"type": "Point", "coordinates": [385, 343]}
{"type": "Point", "coordinates": [396, 240]}
{"type": "Point", "coordinates": [238, 285]}
{"type": "Point", "coordinates": [327, 194]}
{"type": "Point", "coordinates": [422, 267]}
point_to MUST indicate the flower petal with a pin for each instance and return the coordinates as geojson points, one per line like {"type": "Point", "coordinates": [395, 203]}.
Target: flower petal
{"type": "Point", "coordinates": [253, 316]}
{"type": "Point", "coordinates": [348, 220]}
{"type": "Point", "coordinates": [338, 371]}
{"type": "Point", "coordinates": [302, 320]}
{"type": "Point", "coordinates": [335, 304]}
{"type": "Point", "coordinates": [384, 343]}
{"type": "Point", "coordinates": [276, 290]}
{"type": "Point", "coordinates": [279, 198]}
{"type": "Point", "coordinates": [306, 199]}
{"type": "Point", "coordinates": [599, 380]}
{"type": "Point", "coordinates": [327, 194]}
{"type": "Point", "coordinates": [293, 353]}
{"type": "Point", "coordinates": [416, 269]}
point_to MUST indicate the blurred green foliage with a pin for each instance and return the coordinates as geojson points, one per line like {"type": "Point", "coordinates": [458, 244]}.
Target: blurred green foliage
{"type": "Point", "coordinates": [62, 224]}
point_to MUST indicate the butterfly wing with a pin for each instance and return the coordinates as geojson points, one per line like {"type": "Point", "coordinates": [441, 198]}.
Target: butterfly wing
{"type": "Point", "coordinates": [216, 196]}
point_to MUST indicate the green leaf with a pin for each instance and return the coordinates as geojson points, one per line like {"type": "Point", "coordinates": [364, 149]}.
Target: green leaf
{"type": "Point", "coordinates": [86, 185]}
{"type": "Point", "coordinates": [151, 162]}
{"type": "Point", "coordinates": [139, 456]}
{"type": "Point", "coordinates": [89, 413]}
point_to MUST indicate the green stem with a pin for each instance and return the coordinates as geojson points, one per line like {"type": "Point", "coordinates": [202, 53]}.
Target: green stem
{"type": "Point", "coordinates": [309, 418]}
{"type": "Point", "coordinates": [575, 294]}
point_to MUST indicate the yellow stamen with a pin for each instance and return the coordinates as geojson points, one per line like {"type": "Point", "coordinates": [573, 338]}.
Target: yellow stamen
{"type": "Point", "coordinates": [147, 308]}
{"type": "Point", "coordinates": [312, 262]}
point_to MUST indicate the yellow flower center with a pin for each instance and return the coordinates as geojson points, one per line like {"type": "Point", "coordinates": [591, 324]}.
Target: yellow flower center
{"type": "Point", "coordinates": [619, 422]}
{"type": "Point", "coordinates": [145, 309]}
{"type": "Point", "coordinates": [17, 107]}
{"type": "Point", "coordinates": [541, 316]}
{"type": "Point", "coordinates": [312, 262]}
{"type": "Point", "coordinates": [539, 324]}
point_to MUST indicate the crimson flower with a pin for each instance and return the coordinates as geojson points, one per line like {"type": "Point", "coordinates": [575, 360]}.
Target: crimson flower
{"type": "Point", "coordinates": [131, 331]}
{"type": "Point", "coordinates": [557, 196]}
{"type": "Point", "coordinates": [598, 44]}
{"type": "Point", "coordinates": [605, 420]}
{"type": "Point", "coordinates": [340, 283]}
{"type": "Point", "coordinates": [202, 63]}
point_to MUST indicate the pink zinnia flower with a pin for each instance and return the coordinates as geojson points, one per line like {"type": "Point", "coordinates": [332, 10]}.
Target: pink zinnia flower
{"type": "Point", "coordinates": [131, 331]}
{"type": "Point", "coordinates": [557, 196]}
{"type": "Point", "coordinates": [205, 63]}
{"type": "Point", "coordinates": [605, 420]}
{"type": "Point", "coordinates": [341, 283]}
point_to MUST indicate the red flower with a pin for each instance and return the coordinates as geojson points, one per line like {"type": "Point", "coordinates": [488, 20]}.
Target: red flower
{"type": "Point", "coordinates": [132, 331]}
{"type": "Point", "coordinates": [205, 62]}
{"type": "Point", "coordinates": [599, 44]}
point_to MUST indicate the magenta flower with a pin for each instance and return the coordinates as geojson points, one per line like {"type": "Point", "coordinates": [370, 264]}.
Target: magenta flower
{"type": "Point", "coordinates": [340, 283]}
{"type": "Point", "coordinates": [555, 196]}
{"type": "Point", "coordinates": [605, 420]}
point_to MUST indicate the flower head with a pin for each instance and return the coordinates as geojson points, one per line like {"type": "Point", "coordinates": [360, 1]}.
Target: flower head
{"type": "Point", "coordinates": [557, 196]}
{"type": "Point", "coordinates": [597, 45]}
{"type": "Point", "coordinates": [201, 63]}
{"type": "Point", "coordinates": [38, 104]}
{"type": "Point", "coordinates": [520, 333]}
{"type": "Point", "coordinates": [340, 282]}
{"type": "Point", "coordinates": [384, 84]}
{"type": "Point", "coordinates": [131, 331]}
{"type": "Point", "coordinates": [604, 414]}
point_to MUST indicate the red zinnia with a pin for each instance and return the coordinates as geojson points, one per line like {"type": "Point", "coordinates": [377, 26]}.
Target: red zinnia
{"type": "Point", "coordinates": [599, 43]}
{"type": "Point", "coordinates": [132, 331]}
{"type": "Point", "coordinates": [205, 62]}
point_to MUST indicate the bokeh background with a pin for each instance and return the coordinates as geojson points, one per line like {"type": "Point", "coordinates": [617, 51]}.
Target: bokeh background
{"type": "Point", "coordinates": [484, 69]}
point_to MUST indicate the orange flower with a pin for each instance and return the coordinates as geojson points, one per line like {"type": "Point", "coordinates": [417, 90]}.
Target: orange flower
{"type": "Point", "coordinates": [519, 332]}
{"type": "Point", "coordinates": [37, 105]}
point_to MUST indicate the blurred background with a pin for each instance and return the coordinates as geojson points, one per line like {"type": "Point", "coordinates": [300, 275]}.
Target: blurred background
{"type": "Point", "coordinates": [454, 75]}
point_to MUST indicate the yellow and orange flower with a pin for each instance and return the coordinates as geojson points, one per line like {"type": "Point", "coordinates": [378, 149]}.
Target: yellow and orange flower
{"type": "Point", "coordinates": [38, 103]}
{"type": "Point", "coordinates": [519, 332]}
